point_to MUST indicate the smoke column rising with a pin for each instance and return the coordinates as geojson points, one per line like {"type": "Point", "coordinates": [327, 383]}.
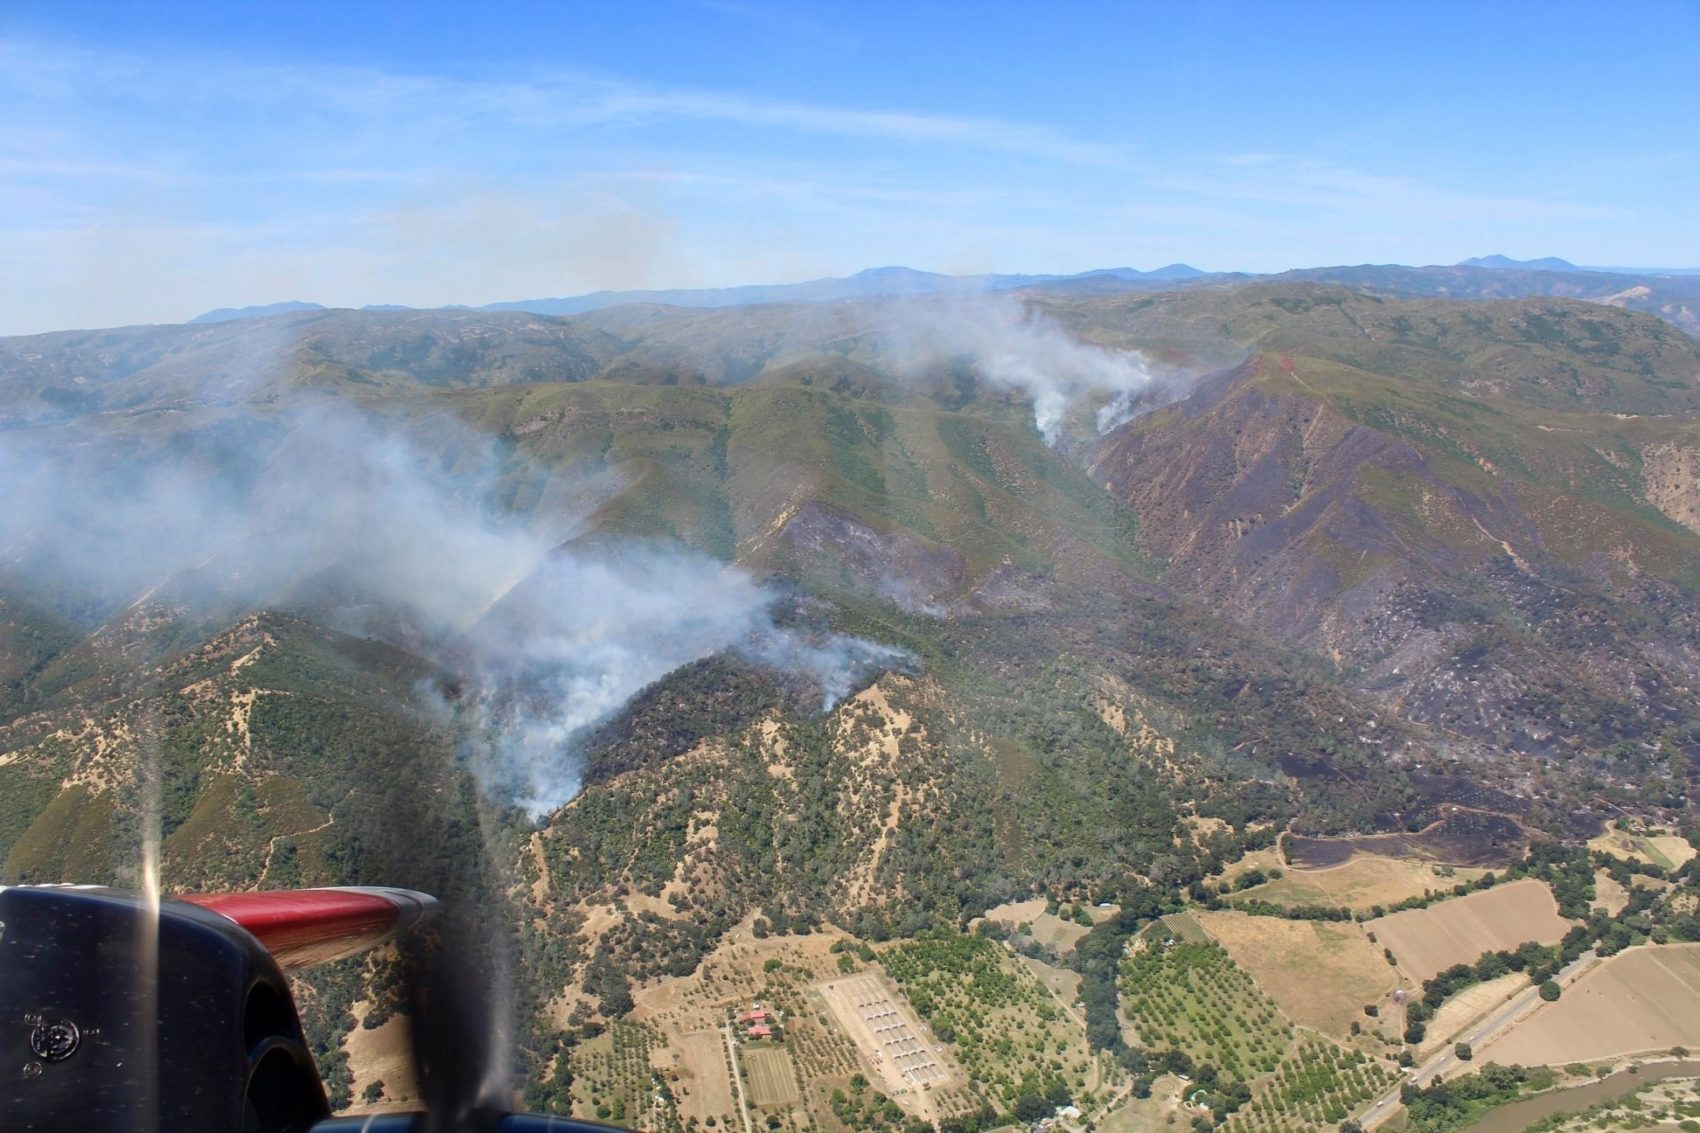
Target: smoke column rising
{"type": "Point", "coordinates": [1014, 349]}
{"type": "Point", "coordinates": [583, 634]}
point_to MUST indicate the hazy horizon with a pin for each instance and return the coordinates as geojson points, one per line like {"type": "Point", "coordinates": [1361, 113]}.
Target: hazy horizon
{"type": "Point", "coordinates": [165, 161]}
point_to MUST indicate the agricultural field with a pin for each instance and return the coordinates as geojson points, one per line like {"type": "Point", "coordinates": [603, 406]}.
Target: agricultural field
{"type": "Point", "coordinates": [1668, 851]}
{"type": "Point", "coordinates": [1457, 931]}
{"type": "Point", "coordinates": [906, 1057]}
{"type": "Point", "coordinates": [1640, 1001]}
{"type": "Point", "coordinates": [768, 1075]}
{"type": "Point", "coordinates": [613, 1078]}
{"type": "Point", "coordinates": [1361, 882]}
{"type": "Point", "coordinates": [1320, 973]}
{"type": "Point", "coordinates": [1007, 1031]}
{"type": "Point", "coordinates": [687, 1017]}
{"type": "Point", "coordinates": [989, 1012]}
{"type": "Point", "coordinates": [1314, 1089]}
{"type": "Point", "coordinates": [1185, 927]}
{"type": "Point", "coordinates": [1058, 932]}
{"type": "Point", "coordinates": [1190, 996]}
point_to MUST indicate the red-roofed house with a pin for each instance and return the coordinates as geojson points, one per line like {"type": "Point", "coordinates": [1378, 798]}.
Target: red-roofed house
{"type": "Point", "coordinates": [759, 1015]}
{"type": "Point", "coordinates": [761, 1031]}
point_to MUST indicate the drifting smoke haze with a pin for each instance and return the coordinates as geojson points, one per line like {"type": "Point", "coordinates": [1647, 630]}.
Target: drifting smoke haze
{"type": "Point", "coordinates": [1013, 348]}
{"type": "Point", "coordinates": [342, 516]}
{"type": "Point", "coordinates": [391, 527]}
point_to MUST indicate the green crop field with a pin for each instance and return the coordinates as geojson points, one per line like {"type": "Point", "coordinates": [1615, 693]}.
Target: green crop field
{"type": "Point", "coordinates": [1193, 997]}
{"type": "Point", "coordinates": [767, 1069]}
{"type": "Point", "coordinates": [1006, 1030]}
{"type": "Point", "coordinates": [1184, 928]}
{"type": "Point", "coordinates": [1315, 1088]}
{"type": "Point", "coordinates": [613, 1077]}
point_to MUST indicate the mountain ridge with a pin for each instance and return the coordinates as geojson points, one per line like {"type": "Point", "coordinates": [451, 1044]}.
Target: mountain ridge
{"type": "Point", "coordinates": [1554, 263]}
{"type": "Point", "coordinates": [1672, 294]}
{"type": "Point", "coordinates": [881, 281]}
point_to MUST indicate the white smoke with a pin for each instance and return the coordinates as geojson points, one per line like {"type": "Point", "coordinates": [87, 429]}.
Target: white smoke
{"type": "Point", "coordinates": [565, 650]}
{"type": "Point", "coordinates": [1013, 348]}
{"type": "Point", "coordinates": [343, 517]}
{"type": "Point", "coordinates": [583, 634]}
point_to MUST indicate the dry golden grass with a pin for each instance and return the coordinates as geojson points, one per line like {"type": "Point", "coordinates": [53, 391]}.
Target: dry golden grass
{"type": "Point", "coordinates": [382, 1054]}
{"type": "Point", "coordinates": [700, 1059]}
{"type": "Point", "coordinates": [1369, 880]}
{"type": "Point", "coordinates": [1673, 848]}
{"type": "Point", "coordinates": [1608, 894]}
{"type": "Point", "coordinates": [1017, 912]}
{"type": "Point", "coordinates": [1320, 973]}
{"type": "Point", "coordinates": [1668, 851]}
{"type": "Point", "coordinates": [1264, 860]}
{"type": "Point", "coordinates": [1048, 929]}
{"type": "Point", "coordinates": [1064, 984]}
{"type": "Point", "coordinates": [1467, 1006]}
{"type": "Point", "coordinates": [1361, 883]}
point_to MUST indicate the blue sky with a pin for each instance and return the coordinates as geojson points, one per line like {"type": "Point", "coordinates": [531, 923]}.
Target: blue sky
{"type": "Point", "coordinates": [160, 159]}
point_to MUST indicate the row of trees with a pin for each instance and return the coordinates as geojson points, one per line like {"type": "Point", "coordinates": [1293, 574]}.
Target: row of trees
{"type": "Point", "coordinates": [1098, 956]}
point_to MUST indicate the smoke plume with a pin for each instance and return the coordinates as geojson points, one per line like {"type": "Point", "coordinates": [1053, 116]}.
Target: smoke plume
{"type": "Point", "coordinates": [584, 633]}
{"type": "Point", "coordinates": [1012, 348]}
{"type": "Point", "coordinates": [353, 521]}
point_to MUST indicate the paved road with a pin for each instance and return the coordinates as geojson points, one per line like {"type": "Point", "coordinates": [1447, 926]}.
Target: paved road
{"type": "Point", "coordinates": [1477, 1036]}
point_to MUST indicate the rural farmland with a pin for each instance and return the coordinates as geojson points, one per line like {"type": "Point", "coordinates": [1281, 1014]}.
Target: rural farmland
{"type": "Point", "coordinates": [1320, 973]}
{"type": "Point", "coordinates": [1428, 941]}
{"type": "Point", "coordinates": [903, 1054]}
{"type": "Point", "coordinates": [768, 1071]}
{"type": "Point", "coordinates": [1642, 1001]}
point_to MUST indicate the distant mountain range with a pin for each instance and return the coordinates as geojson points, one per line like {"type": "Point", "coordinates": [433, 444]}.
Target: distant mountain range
{"type": "Point", "coordinates": [1545, 263]}
{"type": "Point", "coordinates": [1553, 263]}
{"type": "Point", "coordinates": [265, 310]}
{"type": "Point", "coordinates": [1482, 277]}
{"type": "Point", "coordinates": [869, 284]}
{"type": "Point", "coordinates": [1669, 293]}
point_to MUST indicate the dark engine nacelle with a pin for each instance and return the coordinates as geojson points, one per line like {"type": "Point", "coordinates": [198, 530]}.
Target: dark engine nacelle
{"type": "Point", "coordinates": [113, 1019]}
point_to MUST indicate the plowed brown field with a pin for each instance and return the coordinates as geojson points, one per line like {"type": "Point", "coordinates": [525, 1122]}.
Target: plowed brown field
{"type": "Point", "coordinates": [1645, 1000]}
{"type": "Point", "coordinates": [1458, 931]}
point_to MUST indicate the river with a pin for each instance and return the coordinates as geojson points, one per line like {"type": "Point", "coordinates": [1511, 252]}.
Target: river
{"type": "Point", "coordinates": [1518, 1116]}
